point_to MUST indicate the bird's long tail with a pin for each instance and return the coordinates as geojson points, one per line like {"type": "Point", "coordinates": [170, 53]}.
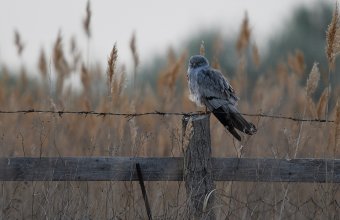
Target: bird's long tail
{"type": "Point", "coordinates": [231, 119]}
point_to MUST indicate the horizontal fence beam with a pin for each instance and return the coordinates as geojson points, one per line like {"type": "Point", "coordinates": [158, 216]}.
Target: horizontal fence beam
{"type": "Point", "coordinates": [166, 169]}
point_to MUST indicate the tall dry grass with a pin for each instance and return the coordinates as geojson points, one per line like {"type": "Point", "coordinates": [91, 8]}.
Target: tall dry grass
{"type": "Point", "coordinates": [276, 91]}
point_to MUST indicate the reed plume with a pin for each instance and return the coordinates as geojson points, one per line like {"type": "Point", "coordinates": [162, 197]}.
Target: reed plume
{"type": "Point", "coordinates": [18, 42]}
{"type": "Point", "coordinates": [60, 63]}
{"type": "Point", "coordinates": [87, 20]}
{"type": "Point", "coordinates": [59, 59]}
{"type": "Point", "coordinates": [111, 66]}
{"type": "Point", "coordinates": [85, 79]}
{"type": "Point", "coordinates": [121, 82]}
{"type": "Point", "coordinates": [256, 56]}
{"type": "Point", "coordinates": [323, 100]}
{"type": "Point", "coordinates": [244, 36]}
{"type": "Point", "coordinates": [313, 80]}
{"type": "Point", "coordinates": [135, 56]}
{"type": "Point", "coordinates": [333, 38]}
{"type": "Point", "coordinates": [202, 49]}
{"type": "Point", "coordinates": [167, 79]}
{"type": "Point", "coordinates": [42, 64]}
{"type": "Point", "coordinates": [174, 72]}
{"type": "Point", "coordinates": [297, 62]}
{"type": "Point", "coordinates": [75, 52]}
{"type": "Point", "coordinates": [332, 47]}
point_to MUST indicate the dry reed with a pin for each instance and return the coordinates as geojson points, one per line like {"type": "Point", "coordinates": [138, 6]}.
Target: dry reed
{"type": "Point", "coordinates": [122, 81]}
{"type": "Point", "coordinates": [18, 42]}
{"type": "Point", "coordinates": [276, 91]}
{"type": "Point", "coordinates": [85, 79]}
{"type": "Point", "coordinates": [87, 20]}
{"type": "Point", "coordinates": [313, 80]}
{"type": "Point", "coordinates": [202, 49]}
{"type": "Point", "coordinates": [256, 56]}
{"type": "Point", "coordinates": [333, 38]}
{"type": "Point", "coordinates": [59, 59]}
{"type": "Point", "coordinates": [60, 64]}
{"type": "Point", "coordinates": [42, 64]}
{"type": "Point", "coordinates": [135, 56]}
{"type": "Point", "coordinates": [296, 62]}
{"type": "Point", "coordinates": [111, 66]}
{"type": "Point", "coordinates": [75, 53]}
{"type": "Point", "coordinates": [244, 36]}
{"type": "Point", "coordinates": [169, 77]}
{"type": "Point", "coordinates": [332, 47]}
{"type": "Point", "coordinates": [323, 100]}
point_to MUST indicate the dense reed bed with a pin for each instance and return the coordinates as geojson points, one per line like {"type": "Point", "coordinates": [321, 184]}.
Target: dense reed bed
{"type": "Point", "coordinates": [280, 91]}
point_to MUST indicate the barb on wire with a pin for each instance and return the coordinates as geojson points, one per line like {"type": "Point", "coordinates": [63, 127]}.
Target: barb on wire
{"type": "Point", "coordinates": [262, 115]}
{"type": "Point", "coordinates": [131, 115]}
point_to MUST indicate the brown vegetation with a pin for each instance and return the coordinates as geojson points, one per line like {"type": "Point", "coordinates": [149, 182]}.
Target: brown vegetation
{"type": "Point", "coordinates": [276, 91]}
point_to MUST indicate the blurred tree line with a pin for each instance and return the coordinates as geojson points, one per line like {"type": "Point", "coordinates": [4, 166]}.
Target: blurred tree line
{"type": "Point", "coordinates": [304, 31]}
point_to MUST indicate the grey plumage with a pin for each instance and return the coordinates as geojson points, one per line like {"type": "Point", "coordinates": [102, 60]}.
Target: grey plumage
{"type": "Point", "coordinates": [208, 87]}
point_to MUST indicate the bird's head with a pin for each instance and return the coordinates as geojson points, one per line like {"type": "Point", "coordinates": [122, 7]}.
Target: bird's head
{"type": "Point", "coordinates": [198, 61]}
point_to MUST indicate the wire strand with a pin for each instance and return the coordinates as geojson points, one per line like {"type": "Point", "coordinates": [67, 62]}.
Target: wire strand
{"type": "Point", "coordinates": [131, 115]}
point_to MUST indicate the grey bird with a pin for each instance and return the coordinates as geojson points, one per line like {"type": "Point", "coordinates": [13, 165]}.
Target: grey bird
{"type": "Point", "coordinates": [208, 87]}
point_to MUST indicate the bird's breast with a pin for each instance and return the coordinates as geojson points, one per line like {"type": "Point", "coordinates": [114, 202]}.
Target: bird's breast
{"type": "Point", "coordinates": [195, 95]}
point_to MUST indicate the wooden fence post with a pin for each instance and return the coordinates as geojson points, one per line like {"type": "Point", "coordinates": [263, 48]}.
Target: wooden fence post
{"type": "Point", "coordinates": [198, 167]}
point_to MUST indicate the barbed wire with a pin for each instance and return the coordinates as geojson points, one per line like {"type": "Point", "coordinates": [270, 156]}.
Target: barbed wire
{"type": "Point", "coordinates": [131, 115]}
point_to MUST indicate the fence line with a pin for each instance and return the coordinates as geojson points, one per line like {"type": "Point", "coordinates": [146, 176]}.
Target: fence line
{"type": "Point", "coordinates": [131, 115]}
{"type": "Point", "coordinates": [197, 168]}
{"type": "Point", "coordinates": [167, 169]}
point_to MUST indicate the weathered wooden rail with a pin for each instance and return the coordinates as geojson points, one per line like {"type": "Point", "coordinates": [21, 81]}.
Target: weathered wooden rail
{"type": "Point", "coordinates": [166, 169]}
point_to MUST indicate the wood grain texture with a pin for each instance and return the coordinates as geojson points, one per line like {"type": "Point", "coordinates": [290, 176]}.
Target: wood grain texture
{"type": "Point", "coordinates": [166, 169]}
{"type": "Point", "coordinates": [90, 168]}
{"type": "Point", "coordinates": [198, 176]}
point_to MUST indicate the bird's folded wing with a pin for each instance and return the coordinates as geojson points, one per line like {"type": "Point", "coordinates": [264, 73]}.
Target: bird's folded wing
{"type": "Point", "coordinates": [215, 89]}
